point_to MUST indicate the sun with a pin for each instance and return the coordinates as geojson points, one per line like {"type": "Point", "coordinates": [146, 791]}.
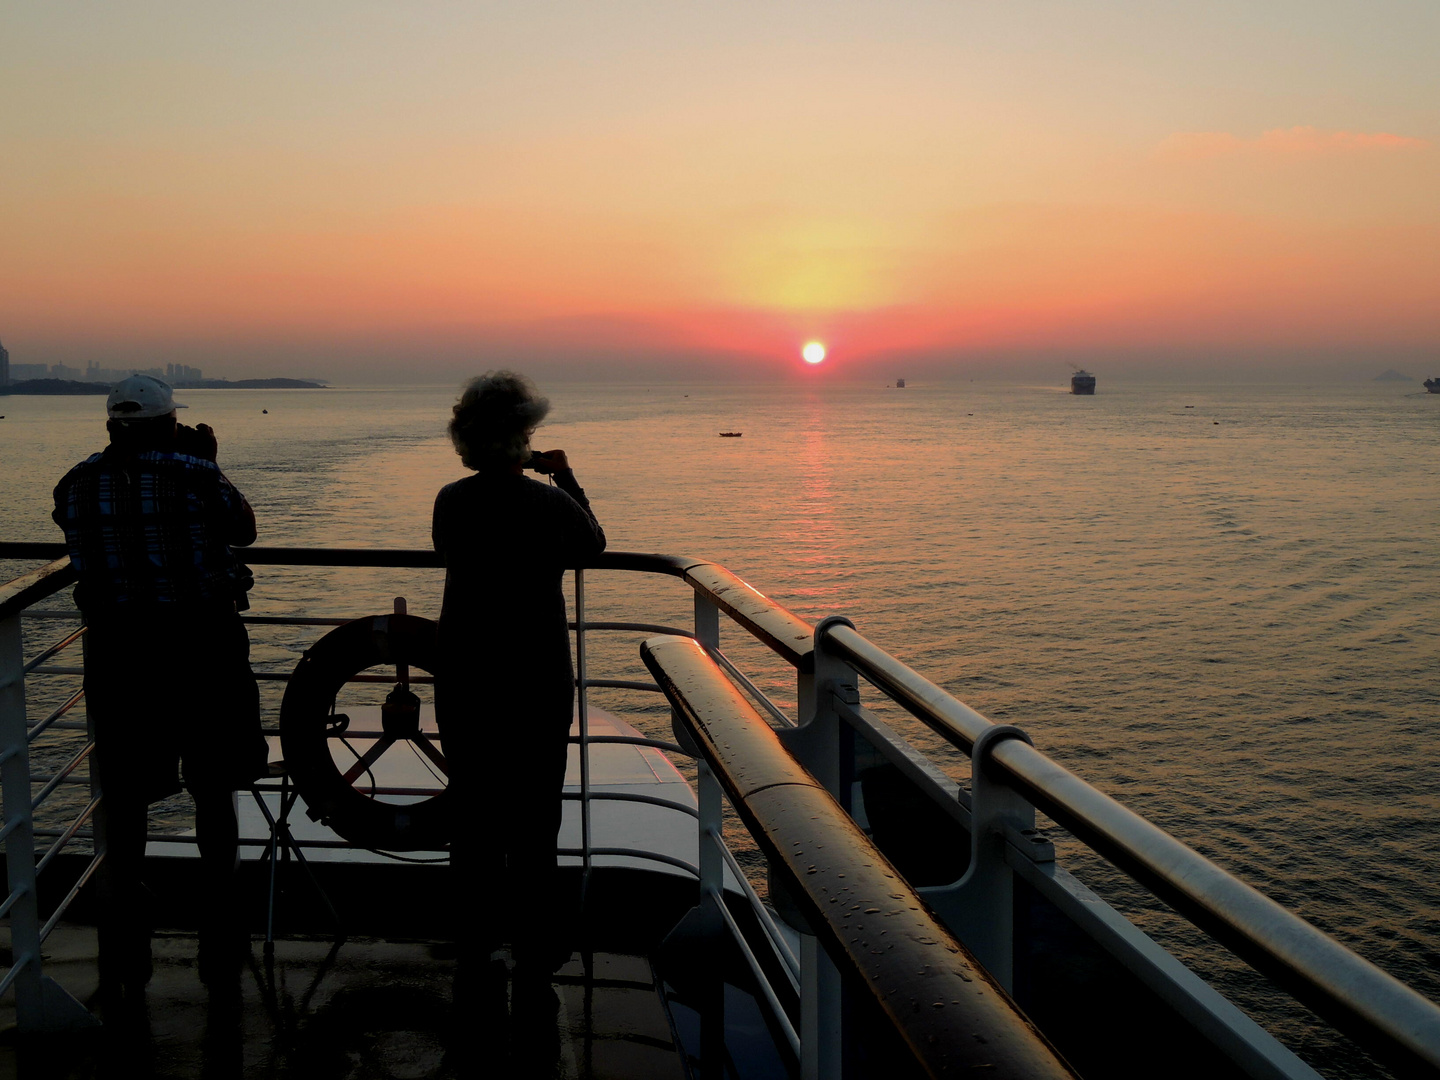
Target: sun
{"type": "Point", "coordinates": [813, 352]}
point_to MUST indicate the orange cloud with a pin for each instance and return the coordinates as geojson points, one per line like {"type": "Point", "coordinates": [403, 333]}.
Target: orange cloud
{"type": "Point", "coordinates": [1282, 142]}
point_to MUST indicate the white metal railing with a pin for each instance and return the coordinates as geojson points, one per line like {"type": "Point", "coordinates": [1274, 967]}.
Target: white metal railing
{"type": "Point", "coordinates": [40, 1003]}
{"type": "Point", "coordinates": [37, 1009]}
{"type": "Point", "coordinates": [715, 855]}
{"type": "Point", "coordinates": [1011, 781]}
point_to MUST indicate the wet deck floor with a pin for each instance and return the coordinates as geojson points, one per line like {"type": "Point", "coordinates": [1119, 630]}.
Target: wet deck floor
{"type": "Point", "coordinates": [369, 1008]}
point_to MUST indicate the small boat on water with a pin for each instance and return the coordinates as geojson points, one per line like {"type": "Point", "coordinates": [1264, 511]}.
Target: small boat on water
{"type": "Point", "coordinates": [859, 915]}
{"type": "Point", "coordinates": [731, 434]}
{"type": "Point", "coordinates": [1082, 382]}
{"type": "Point", "coordinates": [1433, 385]}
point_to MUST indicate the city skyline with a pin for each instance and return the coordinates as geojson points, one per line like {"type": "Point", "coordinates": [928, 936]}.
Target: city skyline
{"type": "Point", "coordinates": [93, 372]}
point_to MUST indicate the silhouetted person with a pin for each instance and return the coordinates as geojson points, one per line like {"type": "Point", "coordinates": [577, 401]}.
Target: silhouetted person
{"type": "Point", "coordinates": [505, 688]}
{"type": "Point", "coordinates": [150, 523]}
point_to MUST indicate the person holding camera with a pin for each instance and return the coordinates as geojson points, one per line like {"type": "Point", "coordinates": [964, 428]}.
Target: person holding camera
{"type": "Point", "coordinates": [505, 688]}
{"type": "Point", "coordinates": [150, 523]}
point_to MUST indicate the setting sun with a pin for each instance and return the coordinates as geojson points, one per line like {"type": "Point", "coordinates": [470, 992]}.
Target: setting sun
{"type": "Point", "coordinates": [813, 352]}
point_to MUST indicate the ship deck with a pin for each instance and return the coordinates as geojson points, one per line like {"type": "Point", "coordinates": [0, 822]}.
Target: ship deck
{"type": "Point", "coordinates": [365, 1007]}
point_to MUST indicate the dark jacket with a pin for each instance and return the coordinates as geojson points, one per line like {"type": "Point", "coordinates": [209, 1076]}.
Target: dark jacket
{"type": "Point", "coordinates": [507, 541]}
{"type": "Point", "coordinates": [154, 529]}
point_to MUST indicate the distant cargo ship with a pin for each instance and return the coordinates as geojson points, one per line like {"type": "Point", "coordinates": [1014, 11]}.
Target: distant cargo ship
{"type": "Point", "coordinates": [1433, 385]}
{"type": "Point", "coordinates": [1082, 382]}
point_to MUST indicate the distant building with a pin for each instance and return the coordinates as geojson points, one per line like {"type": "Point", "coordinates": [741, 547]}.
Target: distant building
{"type": "Point", "coordinates": [93, 372]}
{"type": "Point", "coordinates": [178, 373]}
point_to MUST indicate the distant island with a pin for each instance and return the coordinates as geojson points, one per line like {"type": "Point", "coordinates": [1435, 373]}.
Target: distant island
{"type": "Point", "coordinates": [1392, 376]}
{"type": "Point", "coordinates": [53, 386]}
{"type": "Point", "coordinates": [67, 386]}
{"type": "Point", "coordinates": [251, 384]}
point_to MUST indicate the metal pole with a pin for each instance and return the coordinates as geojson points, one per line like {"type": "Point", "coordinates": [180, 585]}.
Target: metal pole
{"type": "Point", "coordinates": [819, 743]}
{"type": "Point", "coordinates": [707, 622]}
{"type": "Point", "coordinates": [821, 1056]}
{"type": "Point", "coordinates": [712, 873]}
{"type": "Point", "coordinates": [711, 823]}
{"type": "Point", "coordinates": [712, 860]}
{"type": "Point", "coordinates": [711, 922]}
{"type": "Point", "coordinates": [583, 703]}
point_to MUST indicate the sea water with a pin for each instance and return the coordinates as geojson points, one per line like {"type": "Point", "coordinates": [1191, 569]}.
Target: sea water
{"type": "Point", "coordinates": [1216, 604]}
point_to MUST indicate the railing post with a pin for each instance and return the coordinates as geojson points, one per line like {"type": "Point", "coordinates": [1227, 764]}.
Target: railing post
{"type": "Point", "coordinates": [980, 907]}
{"type": "Point", "coordinates": [712, 863]}
{"type": "Point", "coordinates": [707, 622]}
{"type": "Point", "coordinates": [707, 633]}
{"type": "Point", "coordinates": [709, 924]}
{"type": "Point", "coordinates": [821, 743]}
{"type": "Point", "coordinates": [101, 832]}
{"type": "Point", "coordinates": [583, 714]}
{"type": "Point", "coordinates": [40, 1004]}
{"type": "Point", "coordinates": [817, 743]}
{"type": "Point", "coordinates": [821, 1028]}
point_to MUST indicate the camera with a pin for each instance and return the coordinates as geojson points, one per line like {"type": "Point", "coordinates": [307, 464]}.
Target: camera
{"type": "Point", "coordinates": [197, 442]}
{"type": "Point", "coordinates": [539, 462]}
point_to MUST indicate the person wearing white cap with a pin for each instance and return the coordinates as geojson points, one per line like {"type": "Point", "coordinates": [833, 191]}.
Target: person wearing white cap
{"type": "Point", "coordinates": [150, 523]}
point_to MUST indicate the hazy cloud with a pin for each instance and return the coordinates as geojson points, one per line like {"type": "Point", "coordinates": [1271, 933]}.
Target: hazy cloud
{"type": "Point", "coordinates": [1283, 142]}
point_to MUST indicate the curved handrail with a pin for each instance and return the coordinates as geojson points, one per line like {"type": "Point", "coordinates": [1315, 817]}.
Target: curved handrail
{"type": "Point", "coordinates": [265, 555]}
{"type": "Point", "coordinates": [948, 1010]}
{"type": "Point", "coordinates": [1348, 990]}
{"type": "Point", "coordinates": [32, 549]}
{"type": "Point", "coordinates": [27, 589]}
{"type": "Point", "coordinates": [772, 624]}
{"type": "Point", "coordinates": [782, 630]}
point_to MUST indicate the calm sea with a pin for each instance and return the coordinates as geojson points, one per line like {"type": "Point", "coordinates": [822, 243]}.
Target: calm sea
{"type": "Point", "coordinates": [1218, 605]}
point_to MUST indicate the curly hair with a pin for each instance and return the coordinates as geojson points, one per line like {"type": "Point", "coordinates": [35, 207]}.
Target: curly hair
{"type": "Point", "coordinates": [494, 419]}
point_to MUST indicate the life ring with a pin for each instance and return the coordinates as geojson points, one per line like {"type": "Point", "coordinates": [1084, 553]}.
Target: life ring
{"type": "Point", "coordinates": [306, 724]}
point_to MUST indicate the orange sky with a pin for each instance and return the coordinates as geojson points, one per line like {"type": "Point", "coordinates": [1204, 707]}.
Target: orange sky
{"type": "Point", "coordinates": [568, 183]}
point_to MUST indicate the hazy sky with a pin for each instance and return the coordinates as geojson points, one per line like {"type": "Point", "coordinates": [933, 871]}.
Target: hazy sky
{"type": "Point", "coordinates": [352, 187]}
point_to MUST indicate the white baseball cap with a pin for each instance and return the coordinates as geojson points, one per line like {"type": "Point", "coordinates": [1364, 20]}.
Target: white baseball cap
{"type": "Point", "coordinates": [141, 397]}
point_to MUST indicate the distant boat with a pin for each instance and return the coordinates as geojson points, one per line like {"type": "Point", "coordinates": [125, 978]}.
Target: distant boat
{"type": "Point", "coordinates": [1082, 382]}
{"type": "Point", "coordinates": [899, 384]}
{"type": "Point", "coordinates": [1433, 385]}
{"type": "Point", "coordinates": [731, 434]}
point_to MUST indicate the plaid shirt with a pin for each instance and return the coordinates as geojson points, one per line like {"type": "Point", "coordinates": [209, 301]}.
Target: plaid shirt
{"type": "Point", "coordinates": [154, 528]}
